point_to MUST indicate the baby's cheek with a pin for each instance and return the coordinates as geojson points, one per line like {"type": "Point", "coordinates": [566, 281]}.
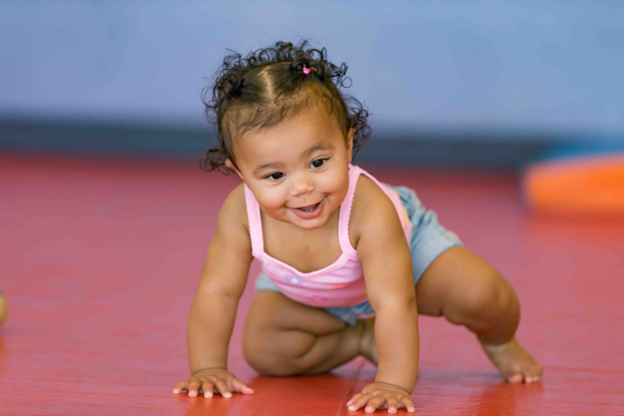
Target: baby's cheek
{"type": "Point", "coordinates": [337, 185]}
{"type": "Point", "coordinates": [271, 202]}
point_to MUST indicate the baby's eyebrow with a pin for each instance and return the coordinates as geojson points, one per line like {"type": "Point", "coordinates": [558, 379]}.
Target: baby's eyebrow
{"type": "Point", "coordinates": [268, 165]}
{"type": "Point", "coordinates": [319, 146]}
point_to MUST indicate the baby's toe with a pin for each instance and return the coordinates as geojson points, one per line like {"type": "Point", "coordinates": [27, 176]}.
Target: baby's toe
{"type": "Point", "coordinates": [515, 379]}
{"type": "Point", "coordinates": [528, 378]}
{"type": "Point", "coordinates": [533, 375]}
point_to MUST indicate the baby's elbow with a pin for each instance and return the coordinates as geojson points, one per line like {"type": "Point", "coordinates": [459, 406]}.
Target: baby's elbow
{"type": "Point", "coordinates": [399, 305]}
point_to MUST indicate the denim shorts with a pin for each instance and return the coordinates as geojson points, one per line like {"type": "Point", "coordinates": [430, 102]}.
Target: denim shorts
{"type": "Point", "coordinates": [429, 240]}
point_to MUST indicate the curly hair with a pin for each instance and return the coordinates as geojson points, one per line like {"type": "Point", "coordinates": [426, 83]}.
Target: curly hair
{"type": "Point", "coordinates": [272, 84]}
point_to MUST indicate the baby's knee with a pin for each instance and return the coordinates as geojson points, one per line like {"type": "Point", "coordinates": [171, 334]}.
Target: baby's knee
{"type": "Point", "coordinates": [271, 365]}
{"type": "Point", "coordinates": [488, 295]}
{"type": "Point", "coordinates": [265, 357]}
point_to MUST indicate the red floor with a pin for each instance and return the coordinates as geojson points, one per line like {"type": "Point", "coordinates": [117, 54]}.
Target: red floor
{"type": "Point", "coordinates": [99, 260]}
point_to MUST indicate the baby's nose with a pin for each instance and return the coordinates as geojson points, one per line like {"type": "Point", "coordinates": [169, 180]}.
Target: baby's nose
{"type": "Point", "coordinates": [302, 186]}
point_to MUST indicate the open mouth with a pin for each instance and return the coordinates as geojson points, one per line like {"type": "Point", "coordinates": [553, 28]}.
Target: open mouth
{"type": "Point", "coordinates": [309, 208]}
{"type": "Point", "coordinates": [309, 211]}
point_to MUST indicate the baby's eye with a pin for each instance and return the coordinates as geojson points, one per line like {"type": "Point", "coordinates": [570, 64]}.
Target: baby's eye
{"type": "Point", "coordinates": [318, 163]}
{"type": "Point", "coordinates": [275, 176]}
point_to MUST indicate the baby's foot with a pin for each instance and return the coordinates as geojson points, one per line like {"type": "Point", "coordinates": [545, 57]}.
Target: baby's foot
{"type": "Point", "coordinates": [368, 347]}
{"type": "Point", "coordinates": [513, 362]}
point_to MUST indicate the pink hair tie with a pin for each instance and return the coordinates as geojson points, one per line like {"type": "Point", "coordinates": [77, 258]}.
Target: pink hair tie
{"type": "Point", "coordinates": [306, 70]}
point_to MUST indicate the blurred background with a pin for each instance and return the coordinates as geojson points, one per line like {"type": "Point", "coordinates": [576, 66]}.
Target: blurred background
{"type": "Point", "coordinates": [485, 84]}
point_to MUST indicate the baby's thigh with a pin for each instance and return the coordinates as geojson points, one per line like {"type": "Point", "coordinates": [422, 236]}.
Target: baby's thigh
{"type": "Point", "coordinates": [278, 328]}
{"type": "Point", "coordinates": [272, 311]}
{"type": "Point", "coordinates": [459, 284]}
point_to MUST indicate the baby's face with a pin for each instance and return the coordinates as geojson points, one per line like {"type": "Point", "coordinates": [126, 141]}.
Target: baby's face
{"type": "Point", "coordinates": [297, 170]}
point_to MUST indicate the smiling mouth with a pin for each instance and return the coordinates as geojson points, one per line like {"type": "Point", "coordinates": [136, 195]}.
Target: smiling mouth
{"type": "Point", "coordinates": [309, 208]}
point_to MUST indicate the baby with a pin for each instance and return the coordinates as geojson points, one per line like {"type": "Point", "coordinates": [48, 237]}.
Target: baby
{"type": "Point", "coordinates": [348, 262]}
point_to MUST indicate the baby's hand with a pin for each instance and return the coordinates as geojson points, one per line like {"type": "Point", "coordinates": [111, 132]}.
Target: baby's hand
{"type": "Point", "coordinates": [211, 379]}
{"type": "Point", "coordinates": [377, 394]}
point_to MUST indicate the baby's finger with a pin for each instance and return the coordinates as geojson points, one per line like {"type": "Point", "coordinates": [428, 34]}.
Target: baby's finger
{"type": "Point", "coordinates": [409, 404]}
{"type": "Point", "coordinates": [223, 388]}
{"type": "Point", "coordinates": [183, 385]}
{"type": "Point", "coordinates": [359, 402]}
{"type": "Point", "coordinates": [193, 387]}
{"type": "Point", "coordinates": [354, 398]}
{"type": "Point", "coordinates": [374, 403]}
{"type": "Point", "coordinates": [393, 404]}
{"type": "Point", "coordinates": [208, 389]}
{"type": "Point", "coordinates": [240, 387]}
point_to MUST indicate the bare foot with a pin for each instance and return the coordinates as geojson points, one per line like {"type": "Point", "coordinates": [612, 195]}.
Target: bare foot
{"type": "Point", "coordinates": [368, 347]}
{"type": "Point", "coordinates": [513, 362]}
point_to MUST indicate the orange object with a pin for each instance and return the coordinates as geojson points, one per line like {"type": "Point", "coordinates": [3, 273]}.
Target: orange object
{"type": "Point", "coordinates": [583, 186]}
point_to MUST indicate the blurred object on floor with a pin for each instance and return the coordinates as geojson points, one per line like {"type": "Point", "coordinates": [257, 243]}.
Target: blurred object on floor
{"type": "Point", "coordinates": [577, 181]}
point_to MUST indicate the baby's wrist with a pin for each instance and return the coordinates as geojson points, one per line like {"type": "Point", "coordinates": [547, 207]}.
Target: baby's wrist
{"type": "Point", "coordinates": [217, 367]}
{"type": "Point", "coordinates": [395, 383]}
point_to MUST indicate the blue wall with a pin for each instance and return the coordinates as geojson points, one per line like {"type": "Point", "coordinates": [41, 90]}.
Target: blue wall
{"type": "Point", "coordinates": [546, 65]}
{"type": "Point", "coordinates": [449, 83]}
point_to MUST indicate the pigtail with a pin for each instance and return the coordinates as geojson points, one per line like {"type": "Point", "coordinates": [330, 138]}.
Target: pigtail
{"type": "Point", "coordinates": [215, 160]}
{"type": "Point", "coordinates": [230, 85]}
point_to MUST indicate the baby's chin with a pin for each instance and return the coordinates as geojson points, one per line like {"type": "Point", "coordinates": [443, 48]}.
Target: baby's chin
{"type": "Point", "coordinates": [308, 225]}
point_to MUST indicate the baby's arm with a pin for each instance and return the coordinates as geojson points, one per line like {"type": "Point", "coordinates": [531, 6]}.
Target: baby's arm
{"type": "Point", "coordinates": [213, 310]}
{"type": "Point", "coordinates": [387, 262]}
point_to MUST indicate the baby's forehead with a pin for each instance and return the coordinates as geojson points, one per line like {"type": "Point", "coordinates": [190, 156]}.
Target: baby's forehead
{"type": "Point", "coordinates": [287, 143]}
{"type": "Point", "coordinates": [313, 123]}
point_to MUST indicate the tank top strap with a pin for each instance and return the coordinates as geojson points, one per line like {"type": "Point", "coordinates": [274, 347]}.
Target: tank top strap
{"type": "Point", "coordinates": [345, 214]}
{"type": "Point", "coordinates": [255, 224]}
{"type": "Point", "coordinates": [372, 178]}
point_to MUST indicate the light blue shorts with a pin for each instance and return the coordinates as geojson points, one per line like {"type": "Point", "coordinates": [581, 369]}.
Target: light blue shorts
{"type": "Point", "coordinates": [429, 240]}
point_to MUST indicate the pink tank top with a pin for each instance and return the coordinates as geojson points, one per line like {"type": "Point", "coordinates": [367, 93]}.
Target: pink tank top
{"type": "Point", "coordinates": [341, 283]}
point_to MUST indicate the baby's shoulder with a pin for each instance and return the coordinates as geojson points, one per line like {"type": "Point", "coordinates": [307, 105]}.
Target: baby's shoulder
{"type": "Point", "coordinates": [368, 192]}
{"type": "Point", "coordinates": [371, 209]}
{"type": "Point", "coordinates": [233, 212]}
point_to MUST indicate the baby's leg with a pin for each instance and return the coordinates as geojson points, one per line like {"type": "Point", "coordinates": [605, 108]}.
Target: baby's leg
{"type": "Point", "coordinates": [468, 291]}
{"type": "Point", "coordinates": [283, 337]}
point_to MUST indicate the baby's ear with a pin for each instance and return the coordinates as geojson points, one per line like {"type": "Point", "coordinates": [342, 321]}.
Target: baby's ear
{"type": "Point", "coordinates": [350, 136]}
{"type": "Point", "coordinates": [231, 165]}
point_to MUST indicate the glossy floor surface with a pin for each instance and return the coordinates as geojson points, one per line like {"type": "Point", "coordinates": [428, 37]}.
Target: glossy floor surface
{"type": "Point", "coordinates": [99, 260]}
